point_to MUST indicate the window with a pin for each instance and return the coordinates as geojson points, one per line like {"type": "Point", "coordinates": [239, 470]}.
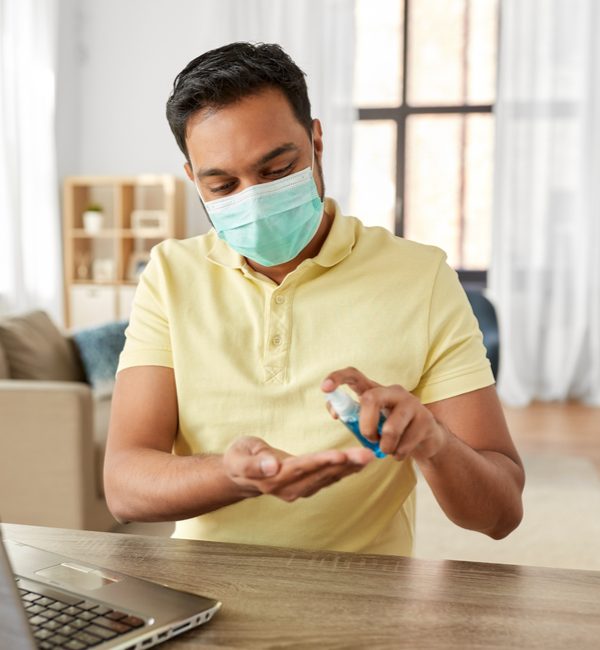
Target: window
{"type": "Point", "coordinates": [424, 79]}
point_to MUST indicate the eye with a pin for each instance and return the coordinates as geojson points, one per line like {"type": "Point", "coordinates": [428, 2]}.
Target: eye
{"type": "Point", "coordinates": [279, 172]}
{"type": "Point", "coordinates": [223, 188]}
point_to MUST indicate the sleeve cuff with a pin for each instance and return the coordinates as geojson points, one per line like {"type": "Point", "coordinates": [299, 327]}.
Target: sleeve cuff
{"type": "Point", "coordinates": [132, 358]}
{"type": "Point", "coordinates": [444, 388]}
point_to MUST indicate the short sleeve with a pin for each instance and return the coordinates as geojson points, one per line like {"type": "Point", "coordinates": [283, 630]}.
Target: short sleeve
{"type": "Point", "coordinates": [456, 361]}
{"type": "Point", "coordinates": [148, 341]}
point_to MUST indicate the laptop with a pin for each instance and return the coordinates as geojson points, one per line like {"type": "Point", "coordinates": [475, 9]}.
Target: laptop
{"type": "Point", "coordinates": [50, 601]}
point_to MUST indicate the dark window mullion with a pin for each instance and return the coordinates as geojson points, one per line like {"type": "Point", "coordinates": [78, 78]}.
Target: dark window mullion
{"type": "Point", "coordinates": [395, 112]}
{"type": "Point", "coordinates": [401, 130]}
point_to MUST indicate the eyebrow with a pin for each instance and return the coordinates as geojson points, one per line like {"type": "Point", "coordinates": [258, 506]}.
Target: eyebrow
{"type": "Point", "coordinates": [215, 171]}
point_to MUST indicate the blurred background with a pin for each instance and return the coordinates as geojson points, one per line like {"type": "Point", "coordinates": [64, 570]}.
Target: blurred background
{"type": "Point", "coordinates": [471, 125]}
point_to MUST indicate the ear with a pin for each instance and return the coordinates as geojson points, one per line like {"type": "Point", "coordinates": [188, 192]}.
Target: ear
{"type": "Point", "coordinates": [317, 132]}
{"type": "Point", "coordinates": [188, 171]}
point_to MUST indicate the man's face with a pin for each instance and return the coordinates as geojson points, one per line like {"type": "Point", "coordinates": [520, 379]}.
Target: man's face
{"type": "Point", "coordinates": [255, 140]}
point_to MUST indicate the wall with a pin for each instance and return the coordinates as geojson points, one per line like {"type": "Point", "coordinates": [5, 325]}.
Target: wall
{"type": "Point", "coordinates": [117, 62]}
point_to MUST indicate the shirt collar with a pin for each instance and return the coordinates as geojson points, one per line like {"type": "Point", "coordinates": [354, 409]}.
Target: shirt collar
{"type": "Point", "coordinates": [337, 246]}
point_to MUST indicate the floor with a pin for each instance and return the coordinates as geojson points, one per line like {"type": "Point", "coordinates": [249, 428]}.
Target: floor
{"type": "Point", "coordinates": [560, 448]}
{"type": "Point", "coordinates": [569, 428]}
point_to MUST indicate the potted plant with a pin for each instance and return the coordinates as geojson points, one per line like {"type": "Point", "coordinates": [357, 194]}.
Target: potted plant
{"type": "Point", "coordinates": [93, 218]}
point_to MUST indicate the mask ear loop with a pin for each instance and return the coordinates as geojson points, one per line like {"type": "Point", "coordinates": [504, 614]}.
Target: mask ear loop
{"type": "Point", "coordinates": [312, 144]}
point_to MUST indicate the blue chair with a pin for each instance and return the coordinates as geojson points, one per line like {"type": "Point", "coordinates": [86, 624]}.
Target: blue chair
{"type": "Point", "coordinates": [488, 323]}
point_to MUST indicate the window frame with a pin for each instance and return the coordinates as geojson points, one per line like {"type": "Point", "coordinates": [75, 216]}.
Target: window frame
{"type": "Point", "coordinates": [476, 278]}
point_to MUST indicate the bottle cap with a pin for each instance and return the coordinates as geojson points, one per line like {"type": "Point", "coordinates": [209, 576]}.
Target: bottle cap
{"type": "Point", "coordinates": [342, 403]}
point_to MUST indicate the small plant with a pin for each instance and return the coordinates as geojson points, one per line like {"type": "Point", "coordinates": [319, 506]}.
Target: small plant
{"type": "Point", "coordinates": [94, 207]}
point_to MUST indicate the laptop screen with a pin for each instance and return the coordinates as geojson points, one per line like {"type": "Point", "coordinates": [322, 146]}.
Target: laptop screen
{"type": "Point", "coordinates": [14, 627]}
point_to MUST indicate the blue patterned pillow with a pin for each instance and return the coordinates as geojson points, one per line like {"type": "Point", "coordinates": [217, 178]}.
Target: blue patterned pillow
{"type": "Point", "coordinates": [99, 349]}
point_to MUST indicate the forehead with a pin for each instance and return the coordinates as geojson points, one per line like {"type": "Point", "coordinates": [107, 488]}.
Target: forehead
{"type": "Point", "coordinates": [240, 133]}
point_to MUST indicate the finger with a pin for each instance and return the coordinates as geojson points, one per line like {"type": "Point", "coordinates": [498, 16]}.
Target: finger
{"type": "Point", "coordinates": [374, 401]}
{"type": "Point", "coordinates": [352, 377]}
{"type": "Point", "coordinates": [394, 428]}
{"type": "Point", "coordinates": [251, 457]}
{"type": "Point", "coordinates": [420, 429]}
{"type": "Point", "coordinates": [333, 414]}
{"type": "Point", "coordinates": [360, 455]}
{"type": "Point", "coordinates": [412, 438]}
{"type": "Point", "coordinates": [324, 482]}
{"type": "Point", "coordinates": [295, 467]}
{"type": "Point", "coordinates": [311, 484]}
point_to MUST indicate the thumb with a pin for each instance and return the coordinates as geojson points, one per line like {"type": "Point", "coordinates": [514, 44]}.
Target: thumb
{"type": "Point", "coordinates": [252, 458]}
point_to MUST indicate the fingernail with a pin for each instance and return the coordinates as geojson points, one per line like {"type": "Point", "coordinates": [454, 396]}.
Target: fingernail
{"type": "Point", "coordinates": [268, 466]}
{"type": "Point", "coordinates": [327, 384]}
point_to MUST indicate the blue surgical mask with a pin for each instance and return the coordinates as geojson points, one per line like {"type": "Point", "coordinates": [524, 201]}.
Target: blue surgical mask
{"type": "Point", "coordinates": [270, 223]}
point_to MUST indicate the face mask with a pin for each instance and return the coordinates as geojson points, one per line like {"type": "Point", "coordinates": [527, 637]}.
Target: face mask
{"type": "Point", "coordinates": [270, 223]}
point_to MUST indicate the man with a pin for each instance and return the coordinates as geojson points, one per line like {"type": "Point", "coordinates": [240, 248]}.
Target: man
{"type": "Point", "coordinates": [237, 336]}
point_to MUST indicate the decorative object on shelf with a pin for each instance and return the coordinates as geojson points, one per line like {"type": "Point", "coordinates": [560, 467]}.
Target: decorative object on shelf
{"type": "Point", "coordinates": [137, 263]}
{"type": "Point", "coordinates": [103, 269]}
{"type": "Point", "coordinates": [93, 218]}
{"type": "Point", "coordinates": [150, 222]}
{"type": "Point", "coordinates": [82, 265]}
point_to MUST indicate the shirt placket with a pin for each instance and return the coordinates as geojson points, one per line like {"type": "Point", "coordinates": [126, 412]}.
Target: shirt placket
{"type": "Point", "coordinates": [278, 330]}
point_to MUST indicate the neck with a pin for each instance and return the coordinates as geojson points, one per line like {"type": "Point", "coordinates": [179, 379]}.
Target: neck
{"type": "Point", "coordinates": [277, 273]}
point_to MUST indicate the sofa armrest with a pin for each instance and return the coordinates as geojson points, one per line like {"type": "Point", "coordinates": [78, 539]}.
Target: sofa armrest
{"type": "Point", "coordinates": [47, 455]}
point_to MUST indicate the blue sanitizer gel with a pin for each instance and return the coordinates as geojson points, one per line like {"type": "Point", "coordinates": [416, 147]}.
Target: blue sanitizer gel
{"type": "Point", "coordinates": [348, 411]}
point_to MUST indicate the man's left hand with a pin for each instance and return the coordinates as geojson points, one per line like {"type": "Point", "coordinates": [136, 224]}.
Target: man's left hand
{"type": "Point", "coordinates": [410, 428]}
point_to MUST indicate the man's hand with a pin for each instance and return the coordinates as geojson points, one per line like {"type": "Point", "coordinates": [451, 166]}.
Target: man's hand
{"type": "Point", "coordinates": [410, 428]}
{"type": "Point", "coordinates": [261, 469]}
{"type": "Point", "coordinates": [467, 432]}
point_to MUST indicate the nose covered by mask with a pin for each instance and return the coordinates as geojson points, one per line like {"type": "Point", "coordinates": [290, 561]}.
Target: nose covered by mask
{"type": "Point", "coordinates": [270, 223]}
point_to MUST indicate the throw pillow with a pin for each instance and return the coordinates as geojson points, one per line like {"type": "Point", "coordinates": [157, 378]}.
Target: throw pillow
{"type": "Point", "coordinates": [36, 349]}
{"type": "Point", "coordinates": [99, 349]}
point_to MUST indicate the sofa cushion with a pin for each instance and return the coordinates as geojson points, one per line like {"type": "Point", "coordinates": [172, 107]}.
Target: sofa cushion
{"type": "Point", "coordinates": [36, 349]}
{"type": "Point", "coordinates": [4, 371]}
{"type": "Point", "coordinates": [99, 349]}
{"type": "Point", "coordinates": [101, 421]}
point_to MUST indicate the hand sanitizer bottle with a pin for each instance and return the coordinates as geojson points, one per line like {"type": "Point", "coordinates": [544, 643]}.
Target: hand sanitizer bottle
{"type": "Point", "coordinates": [348, 411]}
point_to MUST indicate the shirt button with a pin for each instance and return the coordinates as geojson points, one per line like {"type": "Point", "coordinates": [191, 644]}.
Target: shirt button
{"type": "Point", "coordinates": [279, 299]}
{"type": "Point", "coordinates": [276, 340]}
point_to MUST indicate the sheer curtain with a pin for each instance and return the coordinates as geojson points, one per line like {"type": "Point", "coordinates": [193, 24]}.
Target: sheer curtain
{"type": "Point", "coordinates": [545, 273]}
{"type": "Point", "coordinates": [319, 36]}
{"type": "Point", "coordinates": [30, 258]}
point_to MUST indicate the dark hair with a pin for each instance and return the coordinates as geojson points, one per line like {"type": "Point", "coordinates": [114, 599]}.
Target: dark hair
{"type": "Point", "coordinates": [229, 73]}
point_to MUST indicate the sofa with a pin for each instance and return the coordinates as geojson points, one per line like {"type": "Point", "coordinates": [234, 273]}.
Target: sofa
{"type": "Point", "coordinates": [54, 414]}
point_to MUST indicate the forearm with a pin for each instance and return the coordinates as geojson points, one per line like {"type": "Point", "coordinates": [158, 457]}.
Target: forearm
{"type": "Point", "coordinates": [152, 485]}
{"type": "Point", "coordinates": [478, 490]}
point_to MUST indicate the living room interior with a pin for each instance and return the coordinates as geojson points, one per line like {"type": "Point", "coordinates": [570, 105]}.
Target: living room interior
{"type": "Point", "coordinates": [470, 125]}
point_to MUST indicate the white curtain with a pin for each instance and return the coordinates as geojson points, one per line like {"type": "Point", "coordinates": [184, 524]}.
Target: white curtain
{"type": "Point", "coordinates": [319, 36]}
{"type": "Point", "coordinates": [545, 272]}
{"type": "Point", "coordinates": [30, 260]}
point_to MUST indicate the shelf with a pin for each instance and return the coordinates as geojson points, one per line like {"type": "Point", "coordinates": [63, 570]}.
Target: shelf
{"type": "Point", "coordinates": [145, 233]}
{"type": "Point", "coordinates": [81, 233]}
{"type": "Point", "coordinates": [117, 247]}
{"type": "Point", "coordinates": [96, 283]}
{"type": "Point", "coordinates": [149, 233]}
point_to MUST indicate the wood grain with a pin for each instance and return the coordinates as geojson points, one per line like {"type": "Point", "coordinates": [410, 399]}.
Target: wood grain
{"type": "Point", "coordinates": [282, 598]}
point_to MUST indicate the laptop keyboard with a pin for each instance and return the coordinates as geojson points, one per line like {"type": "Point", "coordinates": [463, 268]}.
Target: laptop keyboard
{"type": "Point", "coordinates": [63, 621]}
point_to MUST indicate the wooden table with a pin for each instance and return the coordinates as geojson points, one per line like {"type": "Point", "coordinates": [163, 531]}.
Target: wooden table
{"type": "Point", "coordinates": [281, 598]}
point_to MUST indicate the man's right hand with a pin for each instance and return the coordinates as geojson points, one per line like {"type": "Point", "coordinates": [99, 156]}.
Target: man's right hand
{"type": "Point", "coordinates": [259, 468]}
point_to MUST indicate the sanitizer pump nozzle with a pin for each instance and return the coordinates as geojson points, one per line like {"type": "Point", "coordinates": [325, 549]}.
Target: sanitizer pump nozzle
{"type": "Point", "coordinates": [348, 411]}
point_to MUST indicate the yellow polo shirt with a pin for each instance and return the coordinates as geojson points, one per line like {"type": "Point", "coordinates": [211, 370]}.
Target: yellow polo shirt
{"type": "Point", "coordinates": [249, 357]}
